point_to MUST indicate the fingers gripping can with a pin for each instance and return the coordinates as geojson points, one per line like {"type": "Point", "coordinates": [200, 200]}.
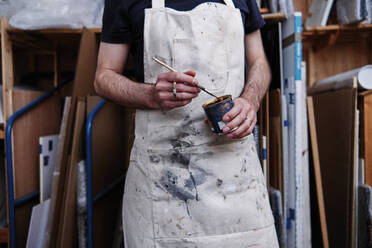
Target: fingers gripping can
{"type": "Point", "coordinates": [215, 110]}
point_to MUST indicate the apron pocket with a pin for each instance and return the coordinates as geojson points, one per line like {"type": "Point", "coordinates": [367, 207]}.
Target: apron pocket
{"type": "Point", "coordinates": [207, 57]}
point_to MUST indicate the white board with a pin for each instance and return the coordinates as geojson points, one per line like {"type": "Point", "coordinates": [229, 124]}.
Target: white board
{"type": "Point", "coordinates": [37, 227]}
{"type": "Point", "coordinates": [48, 156]}
{"type": "Point", "coordinates": [292, 57]}
{"type": "Point", "coordinates": [306, 212]}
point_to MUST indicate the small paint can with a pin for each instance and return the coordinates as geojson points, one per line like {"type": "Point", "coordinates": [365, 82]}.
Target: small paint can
{"type": "Point", "coordinates": [215, 110]}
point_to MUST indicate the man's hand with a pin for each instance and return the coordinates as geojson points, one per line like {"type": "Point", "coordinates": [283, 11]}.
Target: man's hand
{"type": "Point", "coordinates": [186, 88]}
{"type": "Point", "coordinates": [111, 84]}
{"type": "Point", "coordinates": [242, 117]}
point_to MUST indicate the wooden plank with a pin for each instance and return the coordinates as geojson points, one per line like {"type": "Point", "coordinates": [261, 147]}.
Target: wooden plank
{"type": "Point", "coordinates": [86, 65]}
{"type": "Point", "coordinates": [317, 172]}
{"type": "Point", "coordinates": [7, 78]}
{"type": "Point", "coordinates": [275, 143]}
{"type": "Point", "coordinates": [56, 67]}
{"type": "Point", "coordinates": [7, 68]}
{"type": "Point", "coordinates": [264, 10]}
{"type": "Point", "coordinates": [52, 31]}
{"type": "Point", "coordinates": [335, 27]}
{"type": "Point", "coordinates": [274, 17]}
{"type": "Point", "coordinates": [366, 123]}
{"type": "Point", "coordinates": [355, 172]}
{"type": "Point", "coordinates": [335, 123]}
{"type": "Point", "coordinates": [68, 228]}
{"type": "Point", "coordinates": [59, 174]}
{"type": "Point", "coordinates": [83, 86]}
{"type": "Point", "coordinates": [43, 120]}
{"type": "Point", "coordinates": [2, 133]}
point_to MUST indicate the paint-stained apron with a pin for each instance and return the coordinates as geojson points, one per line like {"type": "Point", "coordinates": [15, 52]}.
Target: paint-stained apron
{"type": "Point", "coordinates": [186, 186]}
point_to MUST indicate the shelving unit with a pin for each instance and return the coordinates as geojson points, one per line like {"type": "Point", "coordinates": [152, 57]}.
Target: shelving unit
{"type": "Point", "coordinates": [25, 52]}
{"type": "Point", "coordinates": [327, 51]}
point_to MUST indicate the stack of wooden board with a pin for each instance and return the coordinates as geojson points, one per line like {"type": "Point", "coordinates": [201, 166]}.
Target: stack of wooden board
{"type": "Point", "coordinates": [112, 139]}
{"type": "Point", "coordinates": [343, 137]}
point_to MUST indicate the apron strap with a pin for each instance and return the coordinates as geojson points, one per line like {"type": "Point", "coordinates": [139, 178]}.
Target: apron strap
{"type": "Point", "coordinates": [158, 4]}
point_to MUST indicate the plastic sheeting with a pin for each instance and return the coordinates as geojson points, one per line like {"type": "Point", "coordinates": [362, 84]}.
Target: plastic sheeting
{"type": "Point", "coordinates": [353, 11]}
{"type": "Point", "coordinates": [43, 14]}
{"type": "Point", "coordinates": [82, 219]}
{"type": "Point", "coordinates": [318, 13]}
{"type": "Point", "coordinates": [4, 7]}
{"type": "Point", "coordinates": [345, 80]}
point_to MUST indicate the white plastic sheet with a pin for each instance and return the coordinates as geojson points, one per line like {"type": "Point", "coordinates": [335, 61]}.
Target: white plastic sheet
{"type": "Point", "coordinates": [369, 8]}
{"type": "Point", "coordinates": [352, 11]}
{"type": "Point", "coordinates": [82, 211]}
{"type": "Point", "coordinates": [345, 80]}
{"type": "Point", "coordinates": [42, 14]}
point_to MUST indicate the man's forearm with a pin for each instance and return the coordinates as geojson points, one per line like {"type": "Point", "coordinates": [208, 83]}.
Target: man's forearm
{"type": "Point", "coordinates": [123, 91]}
{"type": "Point", "coordinates": [258, 80]}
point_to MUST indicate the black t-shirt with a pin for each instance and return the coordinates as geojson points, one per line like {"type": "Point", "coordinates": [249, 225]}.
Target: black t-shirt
{"type": "Point", "coordinates": [123, 22]}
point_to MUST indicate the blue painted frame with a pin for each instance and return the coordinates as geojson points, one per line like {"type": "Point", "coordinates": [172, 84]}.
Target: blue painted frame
{"type": "Point", "coordinates": [89, 174]}
{"type": "Point", "coordinates": [13, 203]}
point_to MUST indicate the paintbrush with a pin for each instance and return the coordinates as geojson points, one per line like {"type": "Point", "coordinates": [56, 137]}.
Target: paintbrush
{"type": "Point", "coordinates": [172, 69]}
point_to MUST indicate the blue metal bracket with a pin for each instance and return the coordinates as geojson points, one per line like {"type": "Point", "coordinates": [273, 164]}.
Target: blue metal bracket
{"type": "Point", "coordinates": [12, 203]}
{"type": "Point", "coordinates": [109, 188]}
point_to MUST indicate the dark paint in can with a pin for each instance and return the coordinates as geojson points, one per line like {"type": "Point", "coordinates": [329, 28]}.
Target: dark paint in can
{"type": "Point", "coordinates": [215, 110]}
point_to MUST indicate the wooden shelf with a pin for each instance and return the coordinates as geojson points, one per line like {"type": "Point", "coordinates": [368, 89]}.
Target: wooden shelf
{"type": "Point", "coordinates": [347, 32]}
{"type": "Point", "coordinates": [274, 17]}
{"type": "Point", "coordinates": [357, 27]}
{"type": "Point", "coordinates": [264, 11]}
{"type": "Point", "coordinates": [12, 30]}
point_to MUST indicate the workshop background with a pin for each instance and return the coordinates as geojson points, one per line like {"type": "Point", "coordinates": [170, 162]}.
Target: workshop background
{"type": "Point", "coordinates": [64, 151]}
